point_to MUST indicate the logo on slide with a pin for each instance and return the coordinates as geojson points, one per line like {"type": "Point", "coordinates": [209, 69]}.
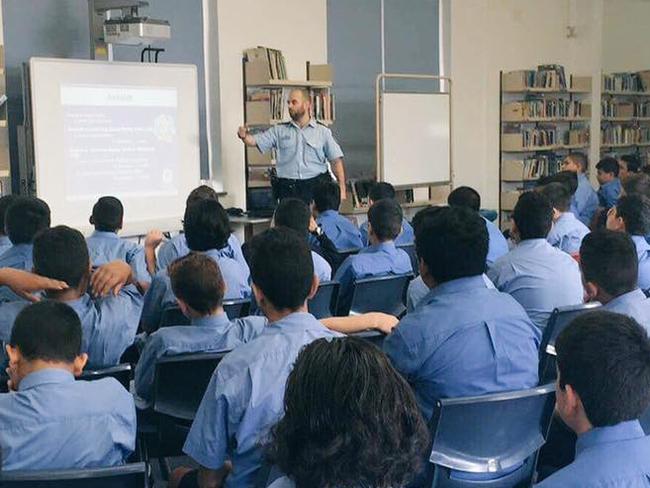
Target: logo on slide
{"type": "Point", "coordinates": [164, 128]}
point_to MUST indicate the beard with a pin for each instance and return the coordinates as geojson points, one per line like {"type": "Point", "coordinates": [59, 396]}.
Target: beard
{"type": "Point", "coordinates": [297, 114]}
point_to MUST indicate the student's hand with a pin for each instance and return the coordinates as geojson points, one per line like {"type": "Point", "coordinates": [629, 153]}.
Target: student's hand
{"type": "Point", "coordinates": [153, 239]}
{"type": "Point", "coordinates": [312, 224]}
{"type": "Point", "coordinates": [242, 132]}
{"type": "Point", "coordinates": [24, 283]}
{"type": "Point", "coordinates": [110, 277]}
{"type": "Point", "coordinates": [381, 321]}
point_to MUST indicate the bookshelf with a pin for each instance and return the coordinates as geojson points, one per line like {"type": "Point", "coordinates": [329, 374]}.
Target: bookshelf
{"type": "Point", "coordinates": [544, 114]}
{"type": "Point", "coordinates": [5, 181]}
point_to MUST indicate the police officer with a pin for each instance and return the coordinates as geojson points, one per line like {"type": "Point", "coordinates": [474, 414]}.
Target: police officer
{"type": "Point", "coordinates": [303, 148]}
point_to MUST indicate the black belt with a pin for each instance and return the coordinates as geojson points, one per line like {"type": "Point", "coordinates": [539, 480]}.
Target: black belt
{"type": "Point", "coordinates": [294, 181]}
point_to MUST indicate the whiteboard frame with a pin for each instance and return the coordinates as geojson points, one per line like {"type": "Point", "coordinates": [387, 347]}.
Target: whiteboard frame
{"type": "Point", "coordinates": [379, 93]}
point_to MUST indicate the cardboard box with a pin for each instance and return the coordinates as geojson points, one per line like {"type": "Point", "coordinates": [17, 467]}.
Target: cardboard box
{"type": "Point", "coordinates": [255, 158]}
{"type": "Point", "coordinates": [512, 142]}
{"type": "Point", "coordinates": [624, 110]}
{"type": "Point", "coordinates": [320, 72]}
{"type": "Point", "coordinates": [257, 73]}
{"type": "Point", "coordinates": [259, 177]}
{"type": "Point", "coordinates": [258, 113]}
{"type": "Point", "coordinates": [512, 170]}
{"type": "Point", "coordinates": [645, 79]}
{"type": "Point", "coordinates": [514, 80]}
{"type": "Point", "coordinates": [509, 199]}
{"type": "Point", "coordinates": [513, 112]}
{"type": "Point", "coordinates": [581, 83]}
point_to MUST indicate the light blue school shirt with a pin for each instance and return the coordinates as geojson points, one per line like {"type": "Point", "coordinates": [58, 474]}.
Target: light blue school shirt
{"type": "Point", "coordinates": [567, 233]}
{"type": "Point", "coordinates": [464, 339]}
{"type": "Point", "coordinates": [210, 333]}
{"type": "Point", "coordinates": [104, 247]}
{"type": "Point", "coordinates": [55, 422]}
{"type": "Point", "coordinates": [16, 257]}
{"type": "Point", "coordinates": [607, 457]}
{"type": "Point", "coordinates": [405, 237]}
{"type": "Point", "coordinates": [5, 244]}
{"type": "Point", "coordinates": [497, 244]}
{"type": "Point", "coordinates": [322, 268]}
{"type": "Point", "coordinates": [540, 277]}
{"type": "Point", "coordinates": [300, 153]}
{"type": "Point", "coordinates": [584, 202]}
{"type": "Point", "coordinates": [609, 192]}
{"type": "Point", "coordinates": [417, 290]}
{"type": "Point", "coordinates": [245, 398]}
{"type": "Point", "coordinates": [343, 233]}
{"type": "Point", "coordinates": [643, 253]}
{"type": "Point", "coordinates": [633, 304]}
{"type": "Point", "coordinates": [176, 247]}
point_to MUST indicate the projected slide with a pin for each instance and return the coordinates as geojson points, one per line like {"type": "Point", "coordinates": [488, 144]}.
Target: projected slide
{"type": "Point", "coordinates": [121, 138]}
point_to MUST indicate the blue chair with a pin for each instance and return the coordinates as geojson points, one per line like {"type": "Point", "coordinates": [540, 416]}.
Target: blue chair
{"type": "Point", "coordinates": [343, 254]}
{"type": "Point", "coordinates": [126, 476]}
{"type": "Point", "coordinates": [323, 304]}
{"type": "Point", "coordinates": [122, 373]}
{"type": "Point", "coordinates": [234, 309]}
{"type": "Point", "coordinates": [172, 316]}
{"type": "Point", "coordinates": [474, 438]}
{"type": "Point", "coordinates": [410, 250]}
{"type": "Point", "coordinates": [379, 294]}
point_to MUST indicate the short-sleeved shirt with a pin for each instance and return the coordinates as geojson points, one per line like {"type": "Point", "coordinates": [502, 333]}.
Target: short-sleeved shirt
{"type": "Point", "coordinates": [584, 202]}
{"type": "Point", "coordinates": [104, 247]}
{"type": "Point", "coordinates": [322, 268]}
{"type": "Point", "coordinates": [417, 290]}
{"type": "Point", "coordinates": [343, 233]}
{"type": "Point", "coordinates": [607, 457]}
{"type": "Point", "coordinates": [405, 237]}
{"type": "Point", "coordinates": [464, 339]}
{"type": "Point", "coordinates": [609, 192]}
{"type": "Point", "coordinates": [301, 153]}
{"type": "Point", "coordinates": [16, 257]}
{"type": "Point", "coordinates": [497, 244]}
{"type": "Point", "coordinates": [176, 247]}
{"type": "Point", "coordinates": [55, 422]}
{"type": "Point", "coordinates": [5, 244]}
{"type": "Point", "coordinates": [567, 233]}
{"type": "Point", "coordinates": [245, 398]}
{"type": "Point", "coordinates": [540, 277]}
{"type": "Point", "coordinates": [643, 252]}
{"type": "Point", "coordinates": [210, 333]}
{"type": "Point", "coordinates": [633, 304]}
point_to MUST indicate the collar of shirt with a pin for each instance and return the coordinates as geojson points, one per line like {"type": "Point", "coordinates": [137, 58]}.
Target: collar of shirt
{"type": "Point", "coordinates": [459, 285]}
{"type": "Point", "coordinates": [605, 435]}
{"type": "Point", "coordinates": [294, 321]}
{"type": "Point", "coordinates": [611, 185]}
{"type": "Point", "coordinates": [388, 247]}
{"type": "Point", "coordinates": [630, 297]}
{"type": "Point", "coordinates": [641, 244]}
{"type": "Point", "coordinates": [566, 217]}
{"type": "Point", "coordinates": [104, 235]}
{"type": "Point", "coordinates": [216, 254]}
{"type": "Point", "coordinates": [329, 213]}
{"type": "Point", "coordinates": [214, 321]}
{"type": "Point", "coordinates": [532, 244]}
{"type": "Point", "coordinates": [311, 123]}
{"type": "Point", "coordinates": [44, 376]}
{"type": "Point", "coordinates": [22, 248]}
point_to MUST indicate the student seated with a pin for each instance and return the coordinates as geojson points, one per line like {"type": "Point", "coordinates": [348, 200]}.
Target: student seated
{"type": "Point", "coordinates": [294, 214]}
{"type": "Point", "coordinates": [49, 420]}
{"type": "Point", "coordinates": [609, 265]}
{"type": "Point", "coordinates": [610, 185]}
{"type": "Point", "coordinates": [382, 258]}
{"type": "Point", "coordinates": [584, 202]}
{"type": "Point", "coordinates": [463, 338]}
{"type": "Point", "coordinates": [381, 191]}
{"type": "Point", "coordinates": [199, 289]}
{"type": "Point", "coordinates": [632, 215]}
{"type": "Point", "coordinates": [105, 246]}
{"type": "Point", "coordinates": [5, 202]}
{"type": "Point", "coordinates": [207, 230]}
{"type": "Point", "coordinates": [343, 233]}
{"type": "Point", "coordinates": [636, 184]}
{"type": "Point", "coordinates": [467, 197]}
{"type": "Point", "coordinates": [244, 397]}
{"type": "Point", "coordinates": [567, 231]}
{"type": "Point", "coordinates": [603, 387]}
{"type": "Point", "coordinates": [363, 443]}
{"type": "Point", "coordinates": [628, 165]}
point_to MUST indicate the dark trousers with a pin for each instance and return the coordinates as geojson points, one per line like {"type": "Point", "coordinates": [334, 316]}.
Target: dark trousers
{"type": "Point", "coordinates": [303, 189]}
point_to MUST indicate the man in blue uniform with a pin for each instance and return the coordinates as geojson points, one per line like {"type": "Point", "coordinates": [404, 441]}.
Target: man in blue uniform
{"type": "Point", "coordinates": [381, 191]}
{"type": "Point", "coordinates": [343, 233]}
{"type": "Point", "coordinates": [567, 231]}
{"type": "Point", "coordinates": [610, 185]}
{"type": "Point", "coordinates": [584, 202]}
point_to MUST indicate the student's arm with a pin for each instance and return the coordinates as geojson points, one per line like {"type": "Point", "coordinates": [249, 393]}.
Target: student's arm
{"type": "Point", "coordinates": [339, 172]}
{"type": "Point", "coordinates": [151, 242]}
{"type": "Point", "coordinates": [264, 141]}
{"type": "Point", "coordinates": [373, 320]}
{"type": "Point", "coordinates": [25, 284]}
{"type": "Point", "coordinates": [111, 278]}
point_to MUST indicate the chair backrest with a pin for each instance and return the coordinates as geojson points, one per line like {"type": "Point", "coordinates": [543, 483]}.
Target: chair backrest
{"type": "Point", "coordinates": [323, 304]}
{"type": "Point", "coordinates": [373, 336]}
{"type": "Point", "coordinates": [181, 380]}
{"type": "Point", "coordinates": [380, 294]}
{"type": "Point", "coordinates": [236, 309]}
{"type": "Point", "coordinates": [126, 476]}
{"type": "Point", "coordinates": [343, 254]}
{"type": "Point", "coordinates": [413, 256]}
{"type": "Point", "coordinates": [490, 434]}
{"type": "Point", "coordinates": [122, 373]}
{"type": "Point", "coordinates": [172, 316]}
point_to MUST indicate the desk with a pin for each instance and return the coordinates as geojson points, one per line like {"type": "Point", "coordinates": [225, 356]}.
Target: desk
{"type": "Point", "coordinates": [251, 225]}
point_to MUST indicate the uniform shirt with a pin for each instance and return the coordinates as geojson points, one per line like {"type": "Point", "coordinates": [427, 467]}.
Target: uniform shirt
{"type": "Point", "coordinates": [104, 247]}
{"type": "Point", "coordinates": [540, 277]}
{"type": "Point", "coordinates": [584, 202]}
{"type": "Point", "coordinates": [405, 237]}
{"type": "Point", "coordinates": [17, 257]}
{"type": "Point", "coordinates": [343, 233]}
{"type": "Point", "coordinates": [160, 295]}
{"type": "Point", "coordinates": [643, 252]}
{"type": "Point", "coordinates": [322, 268]}
{"type": "Point", "coordinates": [567, 233]}
{"type": "Point", "coordinates": [210, 333]}
{"type": "Point", "coordinates": [609, 192]}
{"type": "Point", "coordinates": [300, 153]}
{"type": "Point", "coordinates": [417, 290]}
{"type": "Point", "coordinates": [607, 457]}
{"type": "Point", "coordinates": [464, 339]}
{"type": "Point", "coordinates": [5, 244]}
{"type": "Point", "coordinates": [245, 398]}
{"type": "Point", "coordinates": [55, 422]}
{"type": "Point", "coordinates": [497, 244]}
{"type": "Point", "coordinates": [633, 304]}
{"type": "Point", "coordinates": [176, 247]}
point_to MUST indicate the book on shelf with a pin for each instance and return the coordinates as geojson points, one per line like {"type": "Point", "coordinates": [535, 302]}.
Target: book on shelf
{"type": "Point", "coordinates": [546, 108]}
{"type": "Point", "coordinates": [623, 82]}
{"type": "Point", "coordinates": [274, 58]}
{"type": "Point", "coordinates": [535, 137]}
{"type": "Point", "coordinates": [530, 168]}
{"type": "Point", "coordinates": [576, 137]}
{"type": "Point", "coordinates": [624, 135]}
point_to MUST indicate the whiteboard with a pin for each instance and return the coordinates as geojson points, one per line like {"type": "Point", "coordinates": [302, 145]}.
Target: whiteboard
{"type": "Point", "coordinates": [130, 130]}
{"type": "Point", "coordinates": [415, 138]}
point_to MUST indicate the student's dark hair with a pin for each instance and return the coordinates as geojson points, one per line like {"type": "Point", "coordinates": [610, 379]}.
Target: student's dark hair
{"type": "Point", "coordinates": [605, 357]}
{"type": "Point", "coordinates": [385, 218]}
{"type": "Point", "coordinates": [608, 165]}
{"type": "Point", "coordinates": [107, 214]}
{"type": "Point", "coordinates": [637, 184]}
{"type": "Point", "coordinates": [380, 191]}
{"type": "Point", "coordinates": [203, 192]}
{"type": "Point", "coordinates": [452, 241]}
{"type": "Point", "coordinates": [327, 196]}
{"type": "Point", "coordinates": [206, 225]}
{"type": "Point", "coordinates": [294, 214]}
{"type": "Point", "coordinates": [609, 259]}
{"type": "Point", "coordinates": [632, 161]}
{"type": "Point", "coordinates": [282, 267]}
{"type": "Point", "coordinates": [47, 330]}
{"type": "Point", "coordinates": [533, 215]}
{"type": "Point", "coordinates": [349, 420]}
{"type": "Point", "coordinates": [60, 253]}
{"type": "Point", "coordinates": [5, 202]}
{"type": "Point", "coordinates": [567, 178]}
{"type": "Point", "coordinates": [197, 280]}
{"type": "Point", "coordinates": [464, 196]}
{"type": "Point", "coordinates": [25, 217]}
{"type": "Point", "coordinates": [558, 194]}
{"type": "Point", "coordinates": [579, 158]}
{"type": "Point", "coordinates": [634, 209]}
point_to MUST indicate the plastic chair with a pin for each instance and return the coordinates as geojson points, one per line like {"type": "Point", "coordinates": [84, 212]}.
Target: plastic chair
{"type": "Point", "coordinates": [487, 435]}
{"type": "Point", "coordinates": [126, 476]}
{"type": "Point", "coordinates": [172, 316]}
{"type": "Point", "coordinates": [410, 250]}
{"type": "Point", "coordinates": [122, 373]}
{"type": "Point", "coordinates": [236, 309]}
{"type": "Point", "coordinates": [379, 294]}
{"type": "Point", "coordinates": [343, 254]}
{"type": "Point", "coordinates": [323, 304]}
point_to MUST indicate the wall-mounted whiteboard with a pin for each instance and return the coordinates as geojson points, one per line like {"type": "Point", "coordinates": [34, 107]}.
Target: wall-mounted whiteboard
{"type": "Point", "coordinates": [415, 138]}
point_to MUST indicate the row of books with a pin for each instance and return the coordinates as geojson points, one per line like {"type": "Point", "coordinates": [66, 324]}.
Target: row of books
{"type": "Point", "coordinates": [613, 108]}
{"type": "Point", "coordinates": [542, 165]}
{"type": "Point", "coordinates": [549, 135]}
{"type": "Point", "coordinates": [322, 102]}
{"type": "Point", "coordinates": [623, 82]}
{"type": "Point", "coordinates": [540, 137]}
{"type": "Point", "coordinates": [552, 108]}
{"type": "Point", "coordinates": [274, 57]}
{"type": "Point", "coordinates": [619, 134]}
{"type": "Point", "coordinates": [547, 76]}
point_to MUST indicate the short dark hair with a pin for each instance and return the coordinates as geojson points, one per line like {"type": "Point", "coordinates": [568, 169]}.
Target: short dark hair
{"type": "Point", "coordinates": [282, 267]}
{"type": "Point", "coordinates": [61, 253]}
{"type": "Point", "coordinates": [608, 165]}
{"type": "Point", "coordinates": [605, 357]}
{"type": "Point", "coordinates": [380, 191]}
{"type": "Point", "coordinates": [47, 330]}
{"type": "Point", "coordinates": [453, 242]}
{"type": "Point", "coordinates": [579, 158]}
{"type": "Point", "coordinates": [385, 217]}
{"type": "Point", "coordinates": [609, 259]}
{"type": "Point", "coordinates": [197, 280]}
{"type": "Point", "coordinates": [558, 194]}
{"type": "Point", "coordinates": [567, 178]}
{"type": "Point", "coordinates": [203, 192]}
{"type": "Point", "coordinates": [637, 183]}
{"type": "Point", "coordinates": [533, 215]}
{"type": "Point", "coordinates": [206, 225]}
{"type": "Point", "coordinates": [464, 196]}
{"type": "Point", "coordinates": [25, 217]}
{"type": "Point", "coordinates": [349, 419]}
{"type": "Point", "coordinates": [634, 209]}
{"type": "Point", "coordinates": [632, 161]}
{"type": "Point", "coordinates": [5, 202]}
{"type": "Point", "coordinates": [294, 214]}
{"type": "Point", "coordinates": [327, 196]}
{"type": "Point", "coordinates": [107, 215]}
